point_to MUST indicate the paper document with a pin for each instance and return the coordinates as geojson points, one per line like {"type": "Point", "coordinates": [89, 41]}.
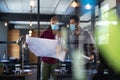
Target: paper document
{"type": "Point", "coordinates": [45, 47]}
{"type": "Point", "coordinates": [86, 57]}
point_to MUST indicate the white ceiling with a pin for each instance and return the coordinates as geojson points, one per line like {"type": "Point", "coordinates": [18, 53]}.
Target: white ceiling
{"type": "Point", "coordinates": [46, 6]}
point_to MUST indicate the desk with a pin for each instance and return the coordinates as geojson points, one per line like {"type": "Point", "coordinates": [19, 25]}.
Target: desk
{"type": "Point", "coordinates": [63, 76]}
{"type": "Point", "coordinates": [14, 76]}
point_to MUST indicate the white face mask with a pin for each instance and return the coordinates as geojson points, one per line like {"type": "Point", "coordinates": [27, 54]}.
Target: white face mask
{"type": "Point", "coordinates": [72, 27]}
{"type": "Point", "coordinates": [54, 27]}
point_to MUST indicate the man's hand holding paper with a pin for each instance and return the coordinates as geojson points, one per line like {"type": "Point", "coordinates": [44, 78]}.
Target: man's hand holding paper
{"type": "Point", "coordinates": [46, 48]}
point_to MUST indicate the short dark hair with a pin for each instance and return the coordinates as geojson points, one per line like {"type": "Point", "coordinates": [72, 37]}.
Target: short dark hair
{"type": "Point", "coordinates": [75, 17]}
{"type": "Point", "coordinates": [54, 18]}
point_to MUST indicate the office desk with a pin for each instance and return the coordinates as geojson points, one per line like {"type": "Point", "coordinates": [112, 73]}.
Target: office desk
{"type": "Point", "coordinates": [14, 76]}
{"type": "Point", "coordinates": [63, 76]}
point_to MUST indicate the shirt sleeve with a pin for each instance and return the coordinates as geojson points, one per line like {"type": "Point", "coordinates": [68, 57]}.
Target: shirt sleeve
{"type": "Point", "coordinates": [88, 38]}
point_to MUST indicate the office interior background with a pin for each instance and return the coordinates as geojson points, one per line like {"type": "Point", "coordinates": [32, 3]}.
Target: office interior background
{"type": "Point", "coordinates": [21, 17]}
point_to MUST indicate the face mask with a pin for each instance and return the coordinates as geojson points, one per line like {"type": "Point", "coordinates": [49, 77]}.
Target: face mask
{"type": "Point", "coordinates": [72, 27]}
{"type": "Point", "coordinates": [54, 27]}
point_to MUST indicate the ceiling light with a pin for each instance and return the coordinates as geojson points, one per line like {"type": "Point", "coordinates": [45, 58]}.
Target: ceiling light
{"type": "Point", "coordinates": [6, 24]}
{"type": "Point", "coordinates": [75, 4]}
{"type": "Point", "coordinates": [68, 26]}
{"type": "Point", "coordinates": [32, 3]}
{"type": "Point", "coordinates": [88, 6]}
{"type": "Point", "coordinates": [30, 32]}
{"type": "Point", "coordinates": [31, 24]}
{"type": "Point", "coordinates": [106, 23]}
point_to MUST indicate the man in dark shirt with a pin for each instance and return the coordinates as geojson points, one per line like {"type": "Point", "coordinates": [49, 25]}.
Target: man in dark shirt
{"type": "Point", "coordinates": [77, 37]}
{"type": "Point", "coordinates": [49, 64]}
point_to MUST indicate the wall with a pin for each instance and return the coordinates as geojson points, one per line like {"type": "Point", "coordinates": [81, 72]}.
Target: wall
{"type": "Point", "coordinates": [3, 39]}
{"type": "Point", "coordinates": [13, 49]}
